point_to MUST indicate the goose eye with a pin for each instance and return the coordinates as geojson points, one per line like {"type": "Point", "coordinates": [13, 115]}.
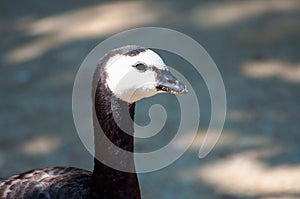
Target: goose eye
{"type": "Point", "coordinates": [140, 66]}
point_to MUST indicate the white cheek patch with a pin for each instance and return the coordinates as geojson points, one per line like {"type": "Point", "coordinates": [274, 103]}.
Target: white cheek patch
{"type": "Point", "coordinates": [129, 84]}
{"type": "Point", "coordinates": [135, 85]}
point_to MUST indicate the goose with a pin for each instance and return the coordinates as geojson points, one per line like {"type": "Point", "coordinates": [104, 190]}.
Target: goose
{"type": "Point", "coordinates": [123, 76]}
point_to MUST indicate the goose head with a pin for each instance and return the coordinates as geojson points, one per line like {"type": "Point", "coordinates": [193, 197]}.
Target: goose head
{"type": "Point", "coordinates": [134, 73]}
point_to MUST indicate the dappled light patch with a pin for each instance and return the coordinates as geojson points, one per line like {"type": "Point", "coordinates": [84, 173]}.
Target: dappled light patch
{"type": "Point", "coordinates": [226, 140]}
{"type": "Point", "coordinates": [254, 115]}
{"type": "Point", "coordinates": [214, 15]}
{"type": "Point", "coordinates": [272, 68]}
{"type": "Point", "coordinates": [41, 145]}
{"type": "Point", "coordinates": [86, 23]}
{"type": "Point", "coordinates": [244, 174]}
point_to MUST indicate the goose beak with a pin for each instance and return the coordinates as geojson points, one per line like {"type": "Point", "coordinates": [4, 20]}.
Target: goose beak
{"type": "Point", "coordinates": [168, 83]}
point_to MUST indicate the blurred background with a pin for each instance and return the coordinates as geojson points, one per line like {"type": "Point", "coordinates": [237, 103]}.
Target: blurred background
{"type": "Point", "coordinates": [255, 44]}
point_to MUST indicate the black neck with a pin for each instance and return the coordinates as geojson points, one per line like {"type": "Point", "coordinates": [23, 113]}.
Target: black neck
{"type": "Point", "coordinates": [113, 116]}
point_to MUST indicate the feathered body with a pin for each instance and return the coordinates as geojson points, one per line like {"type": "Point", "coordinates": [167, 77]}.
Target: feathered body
{"type": "Point", "coordinates": [49, 183]}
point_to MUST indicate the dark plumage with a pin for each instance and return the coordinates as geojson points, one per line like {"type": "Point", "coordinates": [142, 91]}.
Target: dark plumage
{"type": "Point", "coordinates": [51, 182]}
{"type": "Point", "coordinates": [104, 182]}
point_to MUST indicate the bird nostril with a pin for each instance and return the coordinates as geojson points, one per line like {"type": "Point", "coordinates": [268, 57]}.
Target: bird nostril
{"type": "Point", "coordinates": [170, 81]}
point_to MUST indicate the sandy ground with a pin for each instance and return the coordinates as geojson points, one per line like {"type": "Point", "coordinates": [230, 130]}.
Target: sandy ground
{"type": "Point", "coordinates": [255, 44]}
